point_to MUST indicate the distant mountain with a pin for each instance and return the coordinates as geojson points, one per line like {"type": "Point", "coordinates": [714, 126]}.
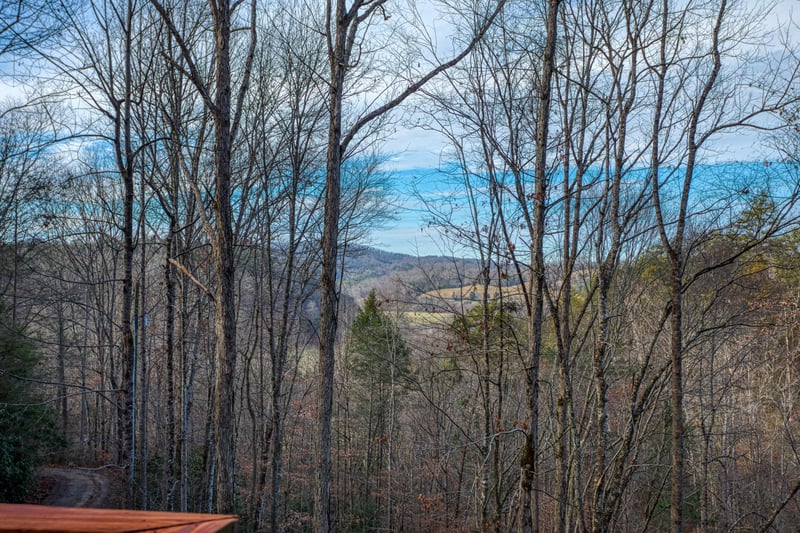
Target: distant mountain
{"type": "Point", "coordinates": [403, 276]}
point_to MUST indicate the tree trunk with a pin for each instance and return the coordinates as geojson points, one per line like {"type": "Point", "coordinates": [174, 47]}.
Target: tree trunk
{"type": "Point", "coordinates": [141, 348]}
{"type": "Point", "coordinates": [125, 166]}
{"type": "Point", "coordinates": [222, 252]}
{"type": "Point", "coordinates": [62, 379]}
{"type": "Point", "coordinates": [172, 405]}
{"type": "Point", "coordinates": [529, 494]}
{"type": "Point", "coordinates": [329, 300]}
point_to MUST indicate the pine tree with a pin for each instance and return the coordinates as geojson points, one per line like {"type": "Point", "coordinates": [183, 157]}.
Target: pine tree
{"type": "Point", "coordinates": [378, 365]}
{"type": "Point", "coordinates": [379, 353]}
{"type": "Point", "coordinates": [27, 426]}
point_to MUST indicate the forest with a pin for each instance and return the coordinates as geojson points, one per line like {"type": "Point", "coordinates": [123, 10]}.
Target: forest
{"type": "Point", "coordinates": [609, 340]}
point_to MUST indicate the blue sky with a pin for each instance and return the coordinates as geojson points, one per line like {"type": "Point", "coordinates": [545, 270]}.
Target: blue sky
{"type": "Point", "coordinates": [407, 232]}
{"type": "Point", "coordinates": [418, 153]}
{"type": "Point", "coordinates": [410, 231]}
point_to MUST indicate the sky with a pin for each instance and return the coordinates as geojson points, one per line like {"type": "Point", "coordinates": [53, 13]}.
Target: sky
{"type": "Point", "coordinates": [423, 197]}
{"type": "Point", "coordinates": [417, 154]}
{"type": "Point", "coordinates": [415, 170]}
{"type": "Point", "coordinates": [408, 231]}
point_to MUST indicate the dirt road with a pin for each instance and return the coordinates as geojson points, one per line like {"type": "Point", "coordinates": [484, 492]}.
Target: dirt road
{"type": "Point", "coordinates": [76, 487]}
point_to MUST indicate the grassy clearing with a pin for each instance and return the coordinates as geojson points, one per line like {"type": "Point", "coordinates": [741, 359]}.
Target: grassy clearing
{"type": "Point", "coordinates": [474, 292]}
{"type": "Point", "coordinates": [427, 318]}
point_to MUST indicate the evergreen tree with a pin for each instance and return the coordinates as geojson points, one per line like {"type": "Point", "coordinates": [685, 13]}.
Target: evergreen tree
{"type": "Point", "coordinates": [27, 426]}
{"type": "Point", "coordinates": [379, 353]}
{"type": "Point", "coordinates": [378, 365]}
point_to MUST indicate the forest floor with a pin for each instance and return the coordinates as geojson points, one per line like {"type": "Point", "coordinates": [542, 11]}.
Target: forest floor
{"type": "Point", "coordinates": [77, 487]}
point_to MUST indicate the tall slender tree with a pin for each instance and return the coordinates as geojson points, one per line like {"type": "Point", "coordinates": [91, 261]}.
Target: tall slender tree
{"type": "Point", "coordinates": [226, 111]}
{"type": "Point", "coordinates": [344, 28]}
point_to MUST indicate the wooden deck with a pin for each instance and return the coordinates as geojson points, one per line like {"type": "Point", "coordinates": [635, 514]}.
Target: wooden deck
{"type": "Point", "coordinates": [39, 518]}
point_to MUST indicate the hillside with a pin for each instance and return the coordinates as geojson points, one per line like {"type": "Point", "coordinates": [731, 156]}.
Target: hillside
{"type": "Point", "coordinates": [403, 276]}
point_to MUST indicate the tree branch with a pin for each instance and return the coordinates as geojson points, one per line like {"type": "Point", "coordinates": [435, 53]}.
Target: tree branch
{"type": "Point", "coordinates": [191, 277]}
{"type": "Point", "coordinates": [417, 85]}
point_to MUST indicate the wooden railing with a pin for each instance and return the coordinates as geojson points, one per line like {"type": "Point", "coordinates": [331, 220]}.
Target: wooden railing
{"type": "Point", "coordinates": [39, 518]}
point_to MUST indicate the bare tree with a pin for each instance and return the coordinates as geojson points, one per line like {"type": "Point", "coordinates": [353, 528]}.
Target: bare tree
{"type": "Point", "coordinates": [226, 111]}
{"type": "Point", "coordinates": [108, 87]}
{"type": "Point", "coordinates": [681, 129]}
{"type": "Point", "coordinates": [26, 25]}
{"type": "Point", "coordinates": [344, 27]}
{"type": "Point", "coordinates": [286, 150]}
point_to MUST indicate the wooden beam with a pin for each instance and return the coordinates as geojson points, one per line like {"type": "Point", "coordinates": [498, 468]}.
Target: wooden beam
{"type": "Point", "coordinates": [39, 518]}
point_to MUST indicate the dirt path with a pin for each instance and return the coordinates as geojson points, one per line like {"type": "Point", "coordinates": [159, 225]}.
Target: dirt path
{"type": "Point", "coordinates": [76, 487]}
